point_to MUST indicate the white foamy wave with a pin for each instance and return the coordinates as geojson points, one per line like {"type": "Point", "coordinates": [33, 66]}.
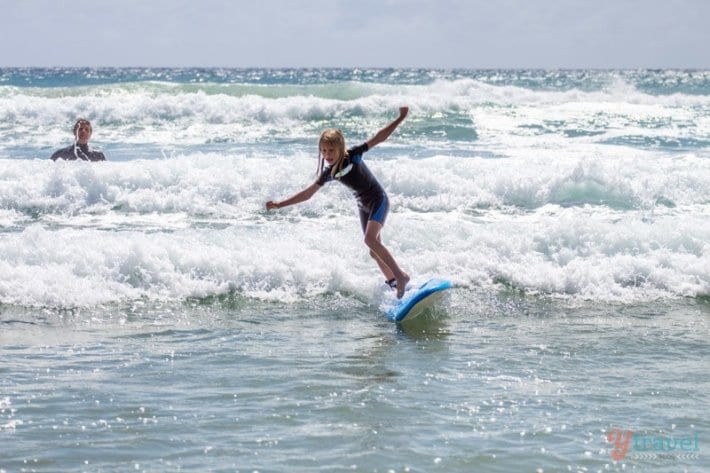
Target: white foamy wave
{"type": "Point", "coordinates": [291, 257]}
{"type": "Point", "coordinates": [643, 182]}
{"type": "Point", "coordinates": [585, 255]}
{"type": "Point", "coordinates": [215, 186]}
{"type": "Point", "coordinates": [188, 115]}
{"type": "Point", "coordinates": [81, 234]}
{"type": "Point", "coordinates": [618, 91]}
{"type": "Point", "coordinates": [83, 268]}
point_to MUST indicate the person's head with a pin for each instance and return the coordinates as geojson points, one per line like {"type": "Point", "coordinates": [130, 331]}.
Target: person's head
{"type": "Point", "coordinates": [331, 148]}
{"type": "Point", "coordinates": [82, 131]}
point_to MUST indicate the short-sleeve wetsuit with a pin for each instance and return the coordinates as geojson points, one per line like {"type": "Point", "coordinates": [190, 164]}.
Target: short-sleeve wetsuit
{"type": "Point", "coordinates": [372, 200]}
{"type": "Point", "coordinates": [78, 151]}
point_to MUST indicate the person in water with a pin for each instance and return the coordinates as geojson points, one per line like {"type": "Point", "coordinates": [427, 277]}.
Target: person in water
{"type": "Point", "coordinates": [348, 167]}
{"type": "Point", "coordinates": [80, 149]}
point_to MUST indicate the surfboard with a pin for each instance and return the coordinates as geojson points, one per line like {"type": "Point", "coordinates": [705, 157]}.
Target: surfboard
{"type": "Point", "coordinates": [416, 301]}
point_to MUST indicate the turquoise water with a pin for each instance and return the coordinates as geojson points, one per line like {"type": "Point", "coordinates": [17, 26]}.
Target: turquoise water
{"type": "Point", "coordinates": [153, 316]}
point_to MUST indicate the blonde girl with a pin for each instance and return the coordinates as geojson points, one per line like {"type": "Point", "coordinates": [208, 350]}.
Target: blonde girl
{"type": "Point", "coordinates": [348, 167]}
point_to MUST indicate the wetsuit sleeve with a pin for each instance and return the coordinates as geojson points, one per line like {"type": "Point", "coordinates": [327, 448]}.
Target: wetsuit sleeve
{"type": "Point", "coordinates": [356, 152]}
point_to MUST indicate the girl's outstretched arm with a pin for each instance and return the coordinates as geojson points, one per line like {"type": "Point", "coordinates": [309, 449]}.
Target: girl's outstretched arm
{"type": "Point", "coordinates": [384, 133]}
{"type": "Point", "coordinates": [302, 196]}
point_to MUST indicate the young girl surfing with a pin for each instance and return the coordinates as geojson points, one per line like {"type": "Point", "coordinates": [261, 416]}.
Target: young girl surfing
{"type": "Point", "coordinates": [348, 167]}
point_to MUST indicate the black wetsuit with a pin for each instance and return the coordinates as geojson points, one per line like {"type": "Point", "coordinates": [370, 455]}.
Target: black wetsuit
{"type": "Point", "coordinates": [372, 200]}
{"type": "Point", "coordinates": [74, 152]}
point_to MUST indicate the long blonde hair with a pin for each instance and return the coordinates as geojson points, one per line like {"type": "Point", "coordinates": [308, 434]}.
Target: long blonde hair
{"type": "Point", "coordinates": [333, 137]}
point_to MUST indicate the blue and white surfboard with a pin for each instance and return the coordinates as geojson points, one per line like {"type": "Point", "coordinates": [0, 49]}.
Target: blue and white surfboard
{"type": "Point", "coordinates": [416, 301]}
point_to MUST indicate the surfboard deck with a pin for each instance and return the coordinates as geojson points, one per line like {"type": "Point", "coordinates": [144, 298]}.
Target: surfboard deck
{"type": "Point", "coordinates": [416, 301]}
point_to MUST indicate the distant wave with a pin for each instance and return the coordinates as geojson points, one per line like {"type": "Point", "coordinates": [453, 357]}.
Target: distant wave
{"type": "Point", "coordinates": [444, 111]}
{"type": "Point", "coordinates": [656, 82]}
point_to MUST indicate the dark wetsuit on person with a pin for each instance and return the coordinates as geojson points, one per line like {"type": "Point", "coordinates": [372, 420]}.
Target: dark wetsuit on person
{"type": "Point", "coordinates": [372, 200]}
{"type": "Point", "coordinates": [78, 151]}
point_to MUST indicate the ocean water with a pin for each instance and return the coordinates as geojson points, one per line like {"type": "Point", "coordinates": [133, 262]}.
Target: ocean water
{"type": "Point", "coordinates": [154, 317]}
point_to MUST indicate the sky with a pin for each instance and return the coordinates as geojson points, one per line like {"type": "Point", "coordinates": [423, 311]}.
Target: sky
{"type": "Point", "coordinates": [356, 33]}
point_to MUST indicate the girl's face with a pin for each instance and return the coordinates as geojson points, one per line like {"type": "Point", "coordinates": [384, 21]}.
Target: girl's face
{"type": "Point", "coordinates": [330, 152]}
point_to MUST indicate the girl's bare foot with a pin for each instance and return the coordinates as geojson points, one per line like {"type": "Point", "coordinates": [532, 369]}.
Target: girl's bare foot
{"type": "Point", "coordinates": [402, 285]}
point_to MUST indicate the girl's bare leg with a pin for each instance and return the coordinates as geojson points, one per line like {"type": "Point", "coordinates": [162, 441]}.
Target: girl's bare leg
{"type": "Point", "coordinates": [386, 271]}
{"type": "Point", "coordinates": [383, 257]}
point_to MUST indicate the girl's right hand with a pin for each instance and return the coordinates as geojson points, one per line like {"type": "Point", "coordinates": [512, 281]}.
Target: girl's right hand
{"type": "Point", "coordinates": [403, 111]}
{"type": "Point", "coordinates": [272, 205]}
